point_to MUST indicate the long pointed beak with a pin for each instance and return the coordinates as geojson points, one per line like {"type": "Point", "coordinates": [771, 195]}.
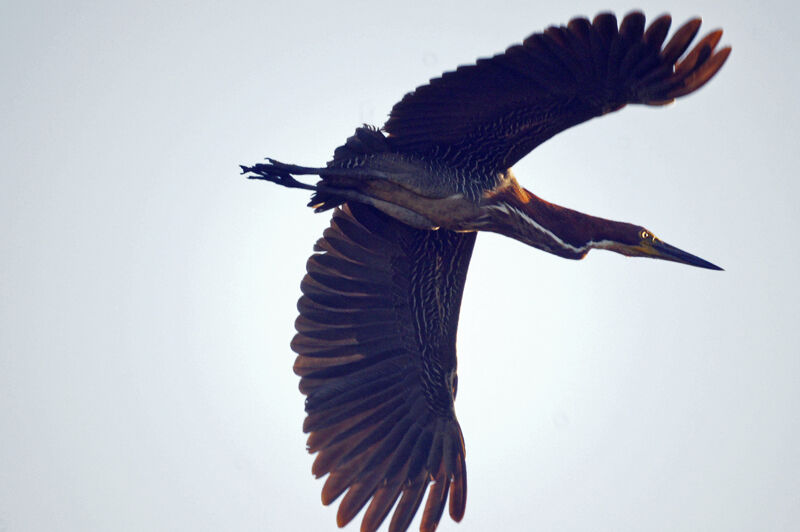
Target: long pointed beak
{"type": "Point", "coordinates": [662, 250]}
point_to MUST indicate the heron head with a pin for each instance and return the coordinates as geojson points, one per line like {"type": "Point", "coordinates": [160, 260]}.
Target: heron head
{"type": "Point", "coordinates": [636, 241]}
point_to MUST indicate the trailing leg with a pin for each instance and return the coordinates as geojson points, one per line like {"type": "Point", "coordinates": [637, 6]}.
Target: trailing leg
{"type": "Point", "coordinates": [280, 173]}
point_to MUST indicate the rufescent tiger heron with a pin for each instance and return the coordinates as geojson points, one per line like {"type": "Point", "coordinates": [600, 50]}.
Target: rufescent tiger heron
{"type": "Point", "coordinates": [376, 335]}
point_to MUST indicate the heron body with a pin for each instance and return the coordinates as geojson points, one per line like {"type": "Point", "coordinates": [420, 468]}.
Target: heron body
{"type": "Point", "coordinates": [376, 333]}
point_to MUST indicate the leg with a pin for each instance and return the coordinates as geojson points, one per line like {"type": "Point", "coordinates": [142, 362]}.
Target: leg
{"type": "Point", "coordinates": [279, 174]}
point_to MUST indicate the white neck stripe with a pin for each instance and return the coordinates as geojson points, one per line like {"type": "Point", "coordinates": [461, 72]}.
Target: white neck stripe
{"type": "Point", "coordinates": [505, 207]}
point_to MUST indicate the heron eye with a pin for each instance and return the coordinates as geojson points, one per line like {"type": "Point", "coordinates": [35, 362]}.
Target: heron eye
{"type": "Point", "coordinates": [645, 234]}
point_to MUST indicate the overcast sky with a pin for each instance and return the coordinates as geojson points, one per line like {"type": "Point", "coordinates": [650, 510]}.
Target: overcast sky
{"type": "Point", "coordinates": [147, 291]}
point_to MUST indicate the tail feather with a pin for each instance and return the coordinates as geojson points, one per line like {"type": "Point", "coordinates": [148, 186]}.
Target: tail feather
{"type": "Point", "coordinates": [365, 141]}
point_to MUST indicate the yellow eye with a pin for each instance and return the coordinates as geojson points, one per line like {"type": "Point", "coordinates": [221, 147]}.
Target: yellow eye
{"type": "Point", "coordinates": [644, 235]}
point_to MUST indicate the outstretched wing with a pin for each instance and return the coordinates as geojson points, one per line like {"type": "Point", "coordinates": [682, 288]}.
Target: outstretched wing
{"type": "Point", "coordinates": [376, 343]}
{"type": "Point", "coordinates": [495, 112]}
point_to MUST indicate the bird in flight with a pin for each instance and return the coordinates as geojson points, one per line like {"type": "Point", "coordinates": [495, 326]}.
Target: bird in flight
{"type": "Point", "coordinates": [376, 334]}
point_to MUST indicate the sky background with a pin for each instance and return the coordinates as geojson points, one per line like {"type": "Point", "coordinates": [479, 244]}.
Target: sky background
{"type": "Point", "coordinates": [147, 291]}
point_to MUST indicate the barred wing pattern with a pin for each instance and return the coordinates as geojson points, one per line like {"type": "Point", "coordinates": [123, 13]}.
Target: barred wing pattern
{"type": "Point", "coordinates": [491, 114]}
{"type": "Point", "coordinates": [376, 352]}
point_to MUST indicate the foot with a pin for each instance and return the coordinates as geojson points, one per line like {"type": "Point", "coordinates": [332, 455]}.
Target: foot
{"type": "Point", "coordinates": [274, 172]}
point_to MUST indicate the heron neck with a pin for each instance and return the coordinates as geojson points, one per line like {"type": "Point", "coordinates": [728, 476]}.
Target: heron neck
{"type": "Point", "coordinates": [522, 215]}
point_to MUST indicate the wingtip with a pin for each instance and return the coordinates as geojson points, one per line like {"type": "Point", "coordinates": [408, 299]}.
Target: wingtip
{"type": "Point", "coordinates": [458, 494]}
{"type": "Point", "coordinates": [724, 52]}
{"type": "Point", "coordinates": [680, 40]}
{"type": "Point", "coordinates": [713, 37]}
{"type": "Point", "coordinates": [694, 23]}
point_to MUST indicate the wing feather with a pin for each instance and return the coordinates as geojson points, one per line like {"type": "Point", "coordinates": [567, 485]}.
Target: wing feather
{"type": "Point", "coordinates": [496, 111]}
{"type": "Point", "coordinates": [376, 355]}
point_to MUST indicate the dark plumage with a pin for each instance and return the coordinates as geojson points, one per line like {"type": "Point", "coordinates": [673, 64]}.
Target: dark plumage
{"type": "Point", "coordinates": [378, 317]}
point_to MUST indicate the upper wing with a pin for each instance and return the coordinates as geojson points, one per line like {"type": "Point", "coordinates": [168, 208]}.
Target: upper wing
{"type": "Point", "coordinates": [377, 356]}
{"type": "Point", "coordinates": [494, 112]}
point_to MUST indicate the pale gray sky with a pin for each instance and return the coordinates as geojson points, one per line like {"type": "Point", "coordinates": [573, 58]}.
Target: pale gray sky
{"type": "Point", "coordinates": [147, 291]}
